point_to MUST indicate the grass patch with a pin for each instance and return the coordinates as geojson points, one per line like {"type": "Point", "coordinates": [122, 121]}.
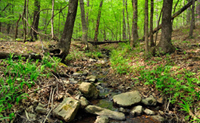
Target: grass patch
{"type": "Point", "coordinates": [19, 75]}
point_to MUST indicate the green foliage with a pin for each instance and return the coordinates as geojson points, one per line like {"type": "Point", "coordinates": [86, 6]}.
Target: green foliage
{"type": "Point", "coordinates": [179, 86]}
{"type": "Point", "coordinates": [17, 75]}
{"type": "Point", "coordinates": [119, 59]}
{"type": "Point", "coordinates": [95, 55]}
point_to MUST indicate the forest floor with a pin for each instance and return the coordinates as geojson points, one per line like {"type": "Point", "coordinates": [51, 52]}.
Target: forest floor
{"type": "Point", "coordinates": [186, 58]}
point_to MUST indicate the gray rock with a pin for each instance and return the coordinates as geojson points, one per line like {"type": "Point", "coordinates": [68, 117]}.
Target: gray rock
{"type": "Point", "coordinates": [149, 112]}
{"type": "Point", "coordinates": [91, 78]}
{"type": "Point", "coordinates": [158, 118]}
{"type": "Point", "coordinates": [72, 81]}
{"type": "Point", "coordinates": [149, 101]}
{"type": "Point", "coordinates": [41, 109]}
{"type": "Point", "coordinates": [67, 109]}
{"type": "Point", "coordinates": [80, 73]}
{"type": "Point", "coordinates": [84, 102]}
{"type": "Point", "coordinates": [137, 110]}
{"type": "Point", "coordinates": [101, 119]}
{"type": "Point", "coordinates": [105, 112]}
{"type": "Point", "coordinates": [89, 90]}
{"type": "Point", "coordinates": [127, 99]}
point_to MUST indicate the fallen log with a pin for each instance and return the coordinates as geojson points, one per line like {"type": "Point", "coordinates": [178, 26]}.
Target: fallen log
{"type": "Point", "coordinates": [105, 42]}
{"type": "Point", "coordinates": [4, 55]}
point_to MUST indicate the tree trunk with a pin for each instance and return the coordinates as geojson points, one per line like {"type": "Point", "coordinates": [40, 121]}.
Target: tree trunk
{"type": "Point", "coordinates": [124, 21]}
{"type": "Point", "coordinates": [36, 18]}
{"type": "Point", "coordinates": [127, 18]}
{"type": "Point", "coordinates": [98, 21]}
{"type": "Point", "coordinates": [52, 14]}
{"type": "Point", "coordinates": [146, 28]}
{"type": "Point", "coordinates": [65, 41]}
{"type": "Point", "coordinates": [84, 24]}
{"type": "Point", "coordinates": [151, 24]}
{"type": "Point", "coordinates": [27, 14]}
{"type": "Point", "coordinates": [134, 39]}
{"type": "Point", "coordinates": [16, 30]}
{"type": "Point", "coordinates": [24, 23]}
{"type": "Point", "coordinates": [192, 23]}
{"type": "Point", "coordinates": [165, 45]}
{"type": "Point", "coordinates": [198, 9]}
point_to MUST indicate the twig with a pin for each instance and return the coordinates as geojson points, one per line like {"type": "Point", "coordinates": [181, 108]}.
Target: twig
{"type": "Point", "coordinates": [167, 108]}
{"type": "Point", "coordinates": [51, 108]}
{"type": "Point", "coordinates": [40, 88]}
{"type": "Point", "coordinates": [49, 98]}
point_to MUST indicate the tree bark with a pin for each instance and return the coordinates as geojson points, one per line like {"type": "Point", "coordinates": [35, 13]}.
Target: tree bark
{"type": "Point", "coordinates": [192, 23]}
{"type": "Point", "coordinates": [36, 18]}
{"type": "Point", "coordinates": [127, 18]}
{"type": "Point", "coordinates": [65, 41]}
{"type": "Point", "coordinates": [98, 21]}
{"type": "Point", "coordinates": [24, 23]}
{"type": "Point", "coordinates": [134, 39]}
{"type": "Point", "coordinates": [84, 24]}
{"type": "Point", "coordinates": [165, 45]}
{"type": "Point", "coordinates": [52, 14]}
{"type": "Point", "coordinates": [151, 24]}
{"type": "Point", "coordinates": [16, 30]}
{"type": "Point", "coordinates": [198, 9]}
{"type": "Point", "coordinates": [124, 21]}
{"type": "Point", "coordinates": [146, 28]}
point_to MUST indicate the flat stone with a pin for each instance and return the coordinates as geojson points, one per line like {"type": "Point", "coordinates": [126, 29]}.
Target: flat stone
{"type": "Point", "coordinates": [127, 99]}
{"type": "Point", "coordinates": [158, 118]}
{"type": "Point", "coordinates": [105, 112]}
{"type": "Point", "coordinates": [149, 112]}
{"type": "Point", "coordinates": [102, 119]}
{"type": "Point", "coordinates": [67, 109]}
{"type": "Point", "coordinates": [41, 109]}
{"type": "Point", "coordinates": [89, 90]}
{"type": "Point", "coordinates": [149, 101]}
{"type": "Point", "coordinates": [137, 110]}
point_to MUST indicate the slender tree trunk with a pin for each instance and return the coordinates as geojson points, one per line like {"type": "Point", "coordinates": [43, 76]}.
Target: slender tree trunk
{"type": "Point", "coordinates": [84, 23]}
{"type": "Point", "coordinates": [192, 23]}
{"type": "Point", "coordinates": [124, 21]}
{"type": "Point", "coordinates": [52, 14]}
{"type": "Point", "coordinates": [65, 41]}
{"type": "Point", "coordinates": [146, 28]}
{"type": "Point", "coordinates": [98, 21]}
{"type": "Point", "coordinates": [151, 24]}
{"type": "Point", "coordinates": [27, 15]}
{"type": "Point", "coordinates": [134, 39]}
{"type": "Point", "coordinates": [16, 30]}
{"type": "Point", "coordinates": [198, 10]}
{"type": "Point", "coordinates": [127, 18]}
{"type": "Point", "coordinates": [24, 23]}
{"type": "Point", "coordinates": [36, 18]}
{"type": "Point", "coordinates": [165, 45]}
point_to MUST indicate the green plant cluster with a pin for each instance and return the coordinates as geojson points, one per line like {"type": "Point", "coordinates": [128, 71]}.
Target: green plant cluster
{"type": "Point", "coordinates": [180, 86]}
{"type": "Point", "coordinates": [18, 74]}
{"type": "Point", "coordinates": [120, 59]}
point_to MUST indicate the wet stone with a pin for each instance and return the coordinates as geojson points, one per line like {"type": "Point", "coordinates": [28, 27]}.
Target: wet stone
{"type": "Point", "coordinates": [67, 109]}
{"type": "Point", "coordinates": [149, 112]}
{"type": "Point", "coordinates": [159, 118]}
{"type": "Point", "coordinates": [105, 112]}
{"type": "Point", "coordinates": [149, 101]}
{"type": "Point", "coordinates": [137, 110]}
{"type": "Point", "coordinates": [127, 99]}
{"type": "Point", "coordinates": [89, 90]}
{"type": "Point", "coordinates": [102, 119]}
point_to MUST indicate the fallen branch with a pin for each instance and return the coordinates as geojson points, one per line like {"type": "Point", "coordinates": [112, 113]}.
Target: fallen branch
{"type": "Point", "coordinates": [105, 42]}
{"type": "Point", "coordinates": [4, 55]}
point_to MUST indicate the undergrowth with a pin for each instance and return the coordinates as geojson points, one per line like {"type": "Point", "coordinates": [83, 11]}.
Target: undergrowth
{"type": "Point", "coordinates": [19, 75]}
{"type": "Point", "coordinates": [180, 86]}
